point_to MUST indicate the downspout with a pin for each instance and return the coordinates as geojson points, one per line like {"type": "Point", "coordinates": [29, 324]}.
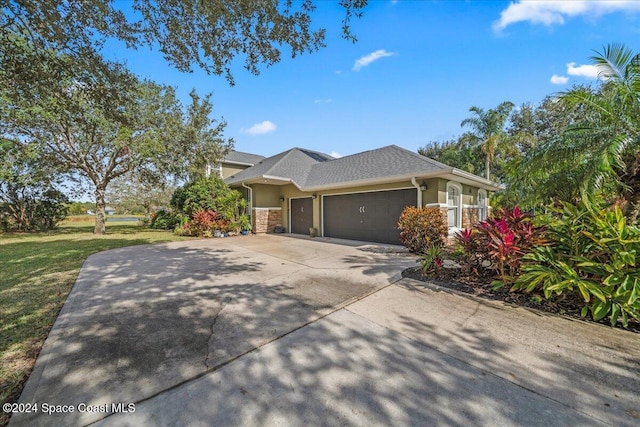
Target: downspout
{"type": "Point", "coordinates": [415, 184]}
{"type": "Point", "coordinates": [250, 207]}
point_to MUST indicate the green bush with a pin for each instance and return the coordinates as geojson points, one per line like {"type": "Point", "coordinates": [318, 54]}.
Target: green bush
{"type": "Point", "coordinates": [421, 228]}
{"type": "Point", "coordinates": [593, 253]}
{"type": "Point", "coordinates": [164, 220]}
{"type": "Point", "coordinates": [207, 194]}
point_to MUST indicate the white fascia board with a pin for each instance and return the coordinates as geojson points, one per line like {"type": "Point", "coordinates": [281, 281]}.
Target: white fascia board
{"type": "Point", "coordinates": [477, 180]}
{"type": "Point", "coordinates": [285, 180]}
{"type": "Point", "coordinates": [231, 162]}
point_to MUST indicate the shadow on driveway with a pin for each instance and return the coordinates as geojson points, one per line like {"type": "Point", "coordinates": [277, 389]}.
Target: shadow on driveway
{"type": "Point", "coordinates": [142, 320]}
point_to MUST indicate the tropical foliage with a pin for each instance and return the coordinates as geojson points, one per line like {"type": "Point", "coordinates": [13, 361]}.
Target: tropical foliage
{"type": "Point", "coordinates": [592, 253]}
{"type": "Point", "coordinates": [209, 204]}
{"type": "Point", "coordinates": [487, 131]}
{"type": "Point", "coordinates": [598, 152]}
{"type": "Point", "coordinates": [500, 243]}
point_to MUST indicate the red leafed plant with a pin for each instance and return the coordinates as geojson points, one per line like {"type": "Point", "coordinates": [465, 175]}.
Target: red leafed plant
{"type": "Point", "coordinates": [471, 258]}
{"type": "Point", "coordinates": [202, 222]}
{"type": "Point", "coordinates": [502, 241]}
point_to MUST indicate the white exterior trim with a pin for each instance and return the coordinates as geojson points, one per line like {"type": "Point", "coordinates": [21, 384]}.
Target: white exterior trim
{"type": "Point", "coordinates": [484, 210]}
{"type": "Point", "coordinates": [268, 209]}
{"type": "Point", "coordinates": [436, 205]}
{"type": "Point", "coordinates": [458, 187]}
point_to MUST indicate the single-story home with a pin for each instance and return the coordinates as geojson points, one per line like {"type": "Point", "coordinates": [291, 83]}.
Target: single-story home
{"type": "Point", "coordinates": [358, 197]}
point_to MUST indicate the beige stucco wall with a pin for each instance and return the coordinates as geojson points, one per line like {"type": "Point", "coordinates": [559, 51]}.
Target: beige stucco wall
{"type": "Point", "coordinates": [265, 195]}
{"type": "Point", "coordinates": [228, 170]}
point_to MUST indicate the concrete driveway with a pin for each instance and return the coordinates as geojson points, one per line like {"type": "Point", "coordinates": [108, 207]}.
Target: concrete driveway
{"type": "Point", "coordinates": [273, 330]}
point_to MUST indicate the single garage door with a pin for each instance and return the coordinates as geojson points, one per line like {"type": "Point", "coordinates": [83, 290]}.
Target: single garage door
{"type": "Point", "coordinates": [301, 215]}
{"type": "Point", "coordinates": [372, 217]}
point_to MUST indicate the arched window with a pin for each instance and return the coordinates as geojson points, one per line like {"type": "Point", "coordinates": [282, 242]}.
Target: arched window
{"type": "Point", "coordinates": [454, 204]}
{"type": "Point", "coordinates": [482, 205]}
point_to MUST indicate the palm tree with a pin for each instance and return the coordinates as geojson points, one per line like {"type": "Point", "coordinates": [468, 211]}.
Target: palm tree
{"type": "Point", "coordinates": [599, 155]}
{"type": "Point", "coordinates": [488, 130]}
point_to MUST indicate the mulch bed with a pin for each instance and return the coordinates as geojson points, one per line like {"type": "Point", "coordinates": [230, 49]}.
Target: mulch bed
{"type": "Point", "coordinates": [454, 279]}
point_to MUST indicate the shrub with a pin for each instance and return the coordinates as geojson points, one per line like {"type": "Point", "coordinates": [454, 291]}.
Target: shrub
{"type": "Point", "coordinates": [224, 225]}
{"type": "Point", "coordinates": [592, 253]}
{"type": "Point", "coordinates": [31, 208]}
{"type": "Point", "coordinates": [208, 194]}
{"type": "Point", "coordinates": [421, 228]}
{"type": "Point", "coordinates": [202, 222]}
{"type": "Point", "coordinates": [503, 241]}
{"type": "Point", "coordinates": [164, 220]}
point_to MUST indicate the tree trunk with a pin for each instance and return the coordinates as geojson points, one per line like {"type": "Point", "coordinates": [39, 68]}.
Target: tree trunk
{"type": "Point", "coordinates": [487, 162]}
{"type": "Point", "coordinates": [100, 205]}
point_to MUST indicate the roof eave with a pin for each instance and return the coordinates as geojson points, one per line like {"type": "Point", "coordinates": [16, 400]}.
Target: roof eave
{"type": "Point", "coordinates": [477, 180]}
{"type": "Point", "coordinates": [375, 181]}
{"type": "Point", "coordinates": [232, 162]}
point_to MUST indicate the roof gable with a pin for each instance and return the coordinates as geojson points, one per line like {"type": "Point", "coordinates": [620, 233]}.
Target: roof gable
{"type": "Point", "coordinates": [292, 165]}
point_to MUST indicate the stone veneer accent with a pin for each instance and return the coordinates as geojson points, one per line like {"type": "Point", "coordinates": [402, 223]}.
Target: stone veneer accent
{"type": "Point", "coordinates": [265, 220]}
{"type": "Point", "coordinates": [470, 217]}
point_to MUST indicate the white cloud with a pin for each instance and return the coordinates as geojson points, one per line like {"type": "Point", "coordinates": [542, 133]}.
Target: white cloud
{"type": "Point", "coordinates": [261, 128]}
{"type": "Point", "coordinates": [559, 80]}
{"type": "Point", "coordinates": [588, 71]}
{"type": "Point", "coordinates": [368, 59]}
{"type": "Point", "coordinates": [322, 101]}
{"type": "Point", "coordinates": [548, 13]}
{"type": "Point", "coordinates": [335, 154]}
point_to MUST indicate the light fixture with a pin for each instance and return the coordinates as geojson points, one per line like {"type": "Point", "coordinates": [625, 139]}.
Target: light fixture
{"type": "Point", "coordinates": [423, 187]}
{"type": "Point", "coordinates": [281, 199]}
{"type": "Point", "coordinates": [314, 196]}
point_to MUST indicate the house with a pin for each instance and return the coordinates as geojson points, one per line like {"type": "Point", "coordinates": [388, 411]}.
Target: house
{"type": "Point", "coordinates": [357, 197]}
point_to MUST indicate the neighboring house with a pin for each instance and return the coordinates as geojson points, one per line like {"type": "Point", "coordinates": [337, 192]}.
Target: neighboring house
{"type": "Point", "coordinates": [236, 161]}
{"type": "Point", "coordinates": [109, 211]}
{"type": "Point", "coordinates": [357, 197]}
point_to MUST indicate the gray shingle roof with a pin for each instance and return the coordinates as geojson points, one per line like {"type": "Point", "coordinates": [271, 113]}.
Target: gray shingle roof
{"type": "Point", "coordinates": [242, 158]}
{"type": "Point", "coordinates": [383, 162]}
{"type": "Point", "coordinates": [294, 165]}
{"type": "Point", "coordinates": [311, 170]}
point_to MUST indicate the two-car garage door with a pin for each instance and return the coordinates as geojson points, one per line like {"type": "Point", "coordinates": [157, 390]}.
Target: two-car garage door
{"type": "Point", "coordinates": [372, 217]}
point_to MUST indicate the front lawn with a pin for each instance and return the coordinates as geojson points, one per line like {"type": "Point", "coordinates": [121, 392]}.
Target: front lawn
{"type": "Point", "coordinates": [37, 272]}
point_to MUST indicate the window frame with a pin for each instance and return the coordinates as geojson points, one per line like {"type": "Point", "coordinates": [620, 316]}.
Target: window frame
{"type": "Point", "coordinates": [458, 207]}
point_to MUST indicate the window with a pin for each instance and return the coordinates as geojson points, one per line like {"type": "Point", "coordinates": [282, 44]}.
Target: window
{"type": "Point", "coordinates": [482, 205]}
{"type": "Point", "coordinates": [454, 204]}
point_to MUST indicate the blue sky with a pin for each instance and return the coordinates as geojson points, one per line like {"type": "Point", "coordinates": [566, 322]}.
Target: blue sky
{"type": "Point", "coordinates": [413, 74]}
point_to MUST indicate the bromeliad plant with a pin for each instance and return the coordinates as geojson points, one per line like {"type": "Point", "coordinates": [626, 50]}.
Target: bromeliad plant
{"type": "Point", "coordinates": [431, 260]}
{"type": "Point", "coordinates": [594, 253]}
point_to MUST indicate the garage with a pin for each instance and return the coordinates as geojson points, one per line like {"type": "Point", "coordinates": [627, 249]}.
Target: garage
{"type": "Point", "coordinates": [371, 216]}
{"type": "Point", "coordinates": [301, 215]}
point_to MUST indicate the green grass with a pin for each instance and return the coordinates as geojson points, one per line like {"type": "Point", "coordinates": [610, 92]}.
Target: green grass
{"type": "Point", "coordinates": [37, 272]}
